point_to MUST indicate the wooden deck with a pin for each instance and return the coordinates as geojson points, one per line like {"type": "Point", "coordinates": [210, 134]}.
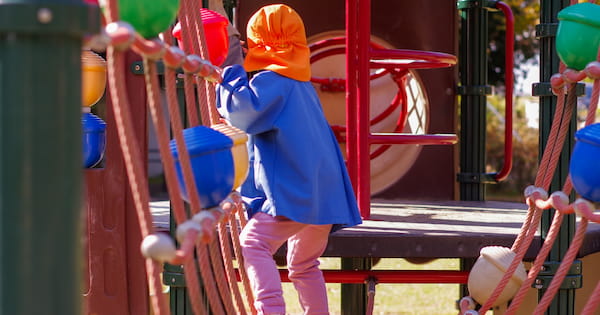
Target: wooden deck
{"type": "Point", "coordinates": [424, 229]}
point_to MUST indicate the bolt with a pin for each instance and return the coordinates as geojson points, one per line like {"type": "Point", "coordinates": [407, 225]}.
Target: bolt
{"type": "Point", "coordinates": [539, 283]}
{"type": "Point", "coordinates": [44, 15]}
{"type": "Point", "coordinates": [137, 68]}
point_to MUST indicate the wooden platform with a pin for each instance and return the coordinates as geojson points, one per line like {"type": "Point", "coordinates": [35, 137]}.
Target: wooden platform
{"type": "Point", "coordinates": [417, 229]}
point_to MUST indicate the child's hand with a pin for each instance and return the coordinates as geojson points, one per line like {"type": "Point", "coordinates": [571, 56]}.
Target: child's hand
{"type": "Point", "coordinates": [244, 47]}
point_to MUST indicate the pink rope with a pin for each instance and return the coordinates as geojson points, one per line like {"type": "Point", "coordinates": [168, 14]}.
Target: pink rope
{"type": "Point", "coordinates": [537, 264]}
{"type": "Point", "coordinates": [218, 268]}
{"type": "Point", "coordinates": [191, 45]}
{"type": "Point", "coordinates": [235, 237]}
{"type": "Point", "coordinates": [209, 101]}
{"type": "Point", "coordinates": [229, 269]}
{"type": "Point", "coordinates": [208, 279]}
{"type": "Point", "coordinates": [563, 269]}
{"type": "Point", "coordinates": [133, 165]}
{"type": "Point", "coordinates": [552, 235]}
{"type": "Point", "coordinates": [593, 301]}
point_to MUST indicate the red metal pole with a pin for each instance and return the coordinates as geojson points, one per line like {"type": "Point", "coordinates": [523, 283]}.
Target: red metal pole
{"type": "Point", "coordinates": [351, 70]}
{"type": "Point", "coordinates": [391, 138]}
{"type": "Point", "coordinates": [508, 95]}
{"type": "Point", "coordinates": [363, 32]}
{"type": "Point", "coordinates": [387, 276]}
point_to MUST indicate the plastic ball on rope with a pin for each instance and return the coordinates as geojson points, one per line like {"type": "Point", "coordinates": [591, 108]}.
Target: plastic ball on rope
{"type": "Point", "coordinates": [93, 77]}
{"type": "Point", "coordinates": [148, 18]}
{"type": "Point", "coordinates": [584, 167]}
{"type": "Point", "coordinates": [93, 84]}
{"type": "Point", "coordinates": [578, 35]}
{"type": "Point", "coordinates": [93, 139]}
{"type": "Point", "coordinates": [487, 272]}
{"type": "Point", "coordinates": [239, 152]}
{"type": "Point", "coordinates": [212, 164]}
{"type": "Point", "coordinates": [215, 33]}
{"type": "Point", "coordinates": [159, 247]}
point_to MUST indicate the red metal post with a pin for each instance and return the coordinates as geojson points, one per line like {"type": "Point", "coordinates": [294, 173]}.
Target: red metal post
{"type": "Point", "coordinates": [351, 72]}
{"type": "Point", "coordinates": [508, 95]}
{"type": "Point", "coordinates": [363, 34]}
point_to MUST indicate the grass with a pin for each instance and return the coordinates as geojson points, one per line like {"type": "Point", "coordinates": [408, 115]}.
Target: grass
{"type": "Point", "coordinates": [397, 299]}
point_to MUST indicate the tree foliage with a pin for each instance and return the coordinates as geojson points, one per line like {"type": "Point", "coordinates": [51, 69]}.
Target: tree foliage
{"type": "Point", "coordinates": [525, 149]}
{"type": "Point", "coordinates": [526, 15]}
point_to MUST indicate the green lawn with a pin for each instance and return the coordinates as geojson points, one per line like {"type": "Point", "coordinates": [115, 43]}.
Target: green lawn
{"type": "Point", "coordinates": [397, 299]}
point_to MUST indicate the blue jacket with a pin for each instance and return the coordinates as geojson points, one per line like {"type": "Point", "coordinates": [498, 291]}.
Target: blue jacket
{"type": "Point", "coordinates": [296, 167]}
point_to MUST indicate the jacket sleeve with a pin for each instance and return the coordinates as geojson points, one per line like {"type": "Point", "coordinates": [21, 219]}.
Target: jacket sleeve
{"type": "Point", "coordinates": [254, 105]}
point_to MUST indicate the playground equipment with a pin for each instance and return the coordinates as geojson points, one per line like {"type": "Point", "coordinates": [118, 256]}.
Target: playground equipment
{"type": "Point", "coordinates": [93, 78]}
{"type": "Point", "coordinates": [536, 195]}
{"type": "Point", "coordinates": [398, 98]}
{"type": "Point", "coordinates": [215, 26]}
{"type": "Point", "coordinates": [212, 164]}
{"type": "Point", "coordinates": [583, 167]}
{"type": "Point", "coordinates": [578, 35]}
{"type": "Point", "coordinates": [148, 20]}
{"type": "Point", "coordinates": [203, 222]}
{"type": "Point", "coordinates": [487, 272]}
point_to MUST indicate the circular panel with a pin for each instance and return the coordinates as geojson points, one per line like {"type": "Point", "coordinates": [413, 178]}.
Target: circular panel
{"type": "Point", "coordinates": [388, 164]}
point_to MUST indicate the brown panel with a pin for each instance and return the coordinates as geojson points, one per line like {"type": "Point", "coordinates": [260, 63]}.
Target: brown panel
{"type": "Point", "coordinates": [116, 278]}
{"type": "Point", "coordinates": [430, 25]}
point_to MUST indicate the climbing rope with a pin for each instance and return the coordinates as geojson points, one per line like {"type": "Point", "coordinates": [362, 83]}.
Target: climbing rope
{"type": "Point", "coordinates": [537, 200]}
{"type": "Point", "coordinates": [202, 251]}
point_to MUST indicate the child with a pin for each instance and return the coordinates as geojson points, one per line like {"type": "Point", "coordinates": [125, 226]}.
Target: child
{"type": "Point", "coordinates": [298, 189]}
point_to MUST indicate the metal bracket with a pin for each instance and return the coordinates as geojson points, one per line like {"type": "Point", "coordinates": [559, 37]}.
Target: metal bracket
{"type": "Point", "coordinates": [476, 4]}
{"type": "Point", "coordinates": [476, 178]}
{"type": "Point", "coordinates": [573, 280]}
{"type": "Point", "coordinates": [474, 90]}
{"type": "Point", "coordinates": [545, 89]}
{"type": "Point", "coordinates": [546, 30]}
{"type": "Point", "coordinates": [137, 68]}
{"type": "Point", "coordinates": [173, 276]}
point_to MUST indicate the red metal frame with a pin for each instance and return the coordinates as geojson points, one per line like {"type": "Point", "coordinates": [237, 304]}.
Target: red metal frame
{"type": "Point", "coordinates": [360, 57]}
{"type": "Point", "coordinates": [390, 276]}
{"type": "Point", "coordinates": [338, 85]}
{"type": "Point", "coordinates": [387, 276]}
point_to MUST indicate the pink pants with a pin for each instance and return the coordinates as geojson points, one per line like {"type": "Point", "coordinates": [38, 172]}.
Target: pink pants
{"type": "Point", "coordinates": [261, 238]}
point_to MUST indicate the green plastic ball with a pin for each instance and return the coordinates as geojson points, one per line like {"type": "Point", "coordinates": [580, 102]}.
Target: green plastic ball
{"type": "Point", "coordinates": [149, 18]}
{"type": "Point", "coordinates": [578, 34]}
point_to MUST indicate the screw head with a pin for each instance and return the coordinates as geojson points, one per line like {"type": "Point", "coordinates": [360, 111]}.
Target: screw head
{"type": "Point", "coordinates": [44, 15]}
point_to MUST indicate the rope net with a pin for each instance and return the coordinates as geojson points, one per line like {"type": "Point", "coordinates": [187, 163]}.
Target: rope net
{"type": "Point", "coordinates": [209, 247]}
{"type": "Point", "coordinates": [563, 87]}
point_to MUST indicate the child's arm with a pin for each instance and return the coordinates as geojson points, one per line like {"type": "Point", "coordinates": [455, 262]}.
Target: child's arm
{"type": "Point", "coordinates": [252, 106]}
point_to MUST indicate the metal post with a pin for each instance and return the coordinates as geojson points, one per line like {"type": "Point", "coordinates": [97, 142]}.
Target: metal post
{"type": "Point", "coordinates": [473, 67]}
{"type": "Point", "coordinates": [564, 302]}
{"type": "Point", "coordinates": [40, 154]}
{"type": "Point", "coordinates": [354, 296]}
{"type": "Point", "coordinates": [473, 90]}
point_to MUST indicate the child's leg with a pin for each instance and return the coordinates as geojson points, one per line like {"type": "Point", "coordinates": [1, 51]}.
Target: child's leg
{"type": "Point", "coordinates": [260, 239]}
{"type": "Point", "coordinates": [304, 250]}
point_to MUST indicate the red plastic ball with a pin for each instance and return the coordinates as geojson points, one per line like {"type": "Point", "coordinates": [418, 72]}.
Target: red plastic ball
{"type": "Point", "coordinates": [215, 32]}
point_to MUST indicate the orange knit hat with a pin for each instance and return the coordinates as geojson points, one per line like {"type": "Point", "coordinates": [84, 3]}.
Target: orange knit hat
{"type": "Point", "coordinates": [277, 42]}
